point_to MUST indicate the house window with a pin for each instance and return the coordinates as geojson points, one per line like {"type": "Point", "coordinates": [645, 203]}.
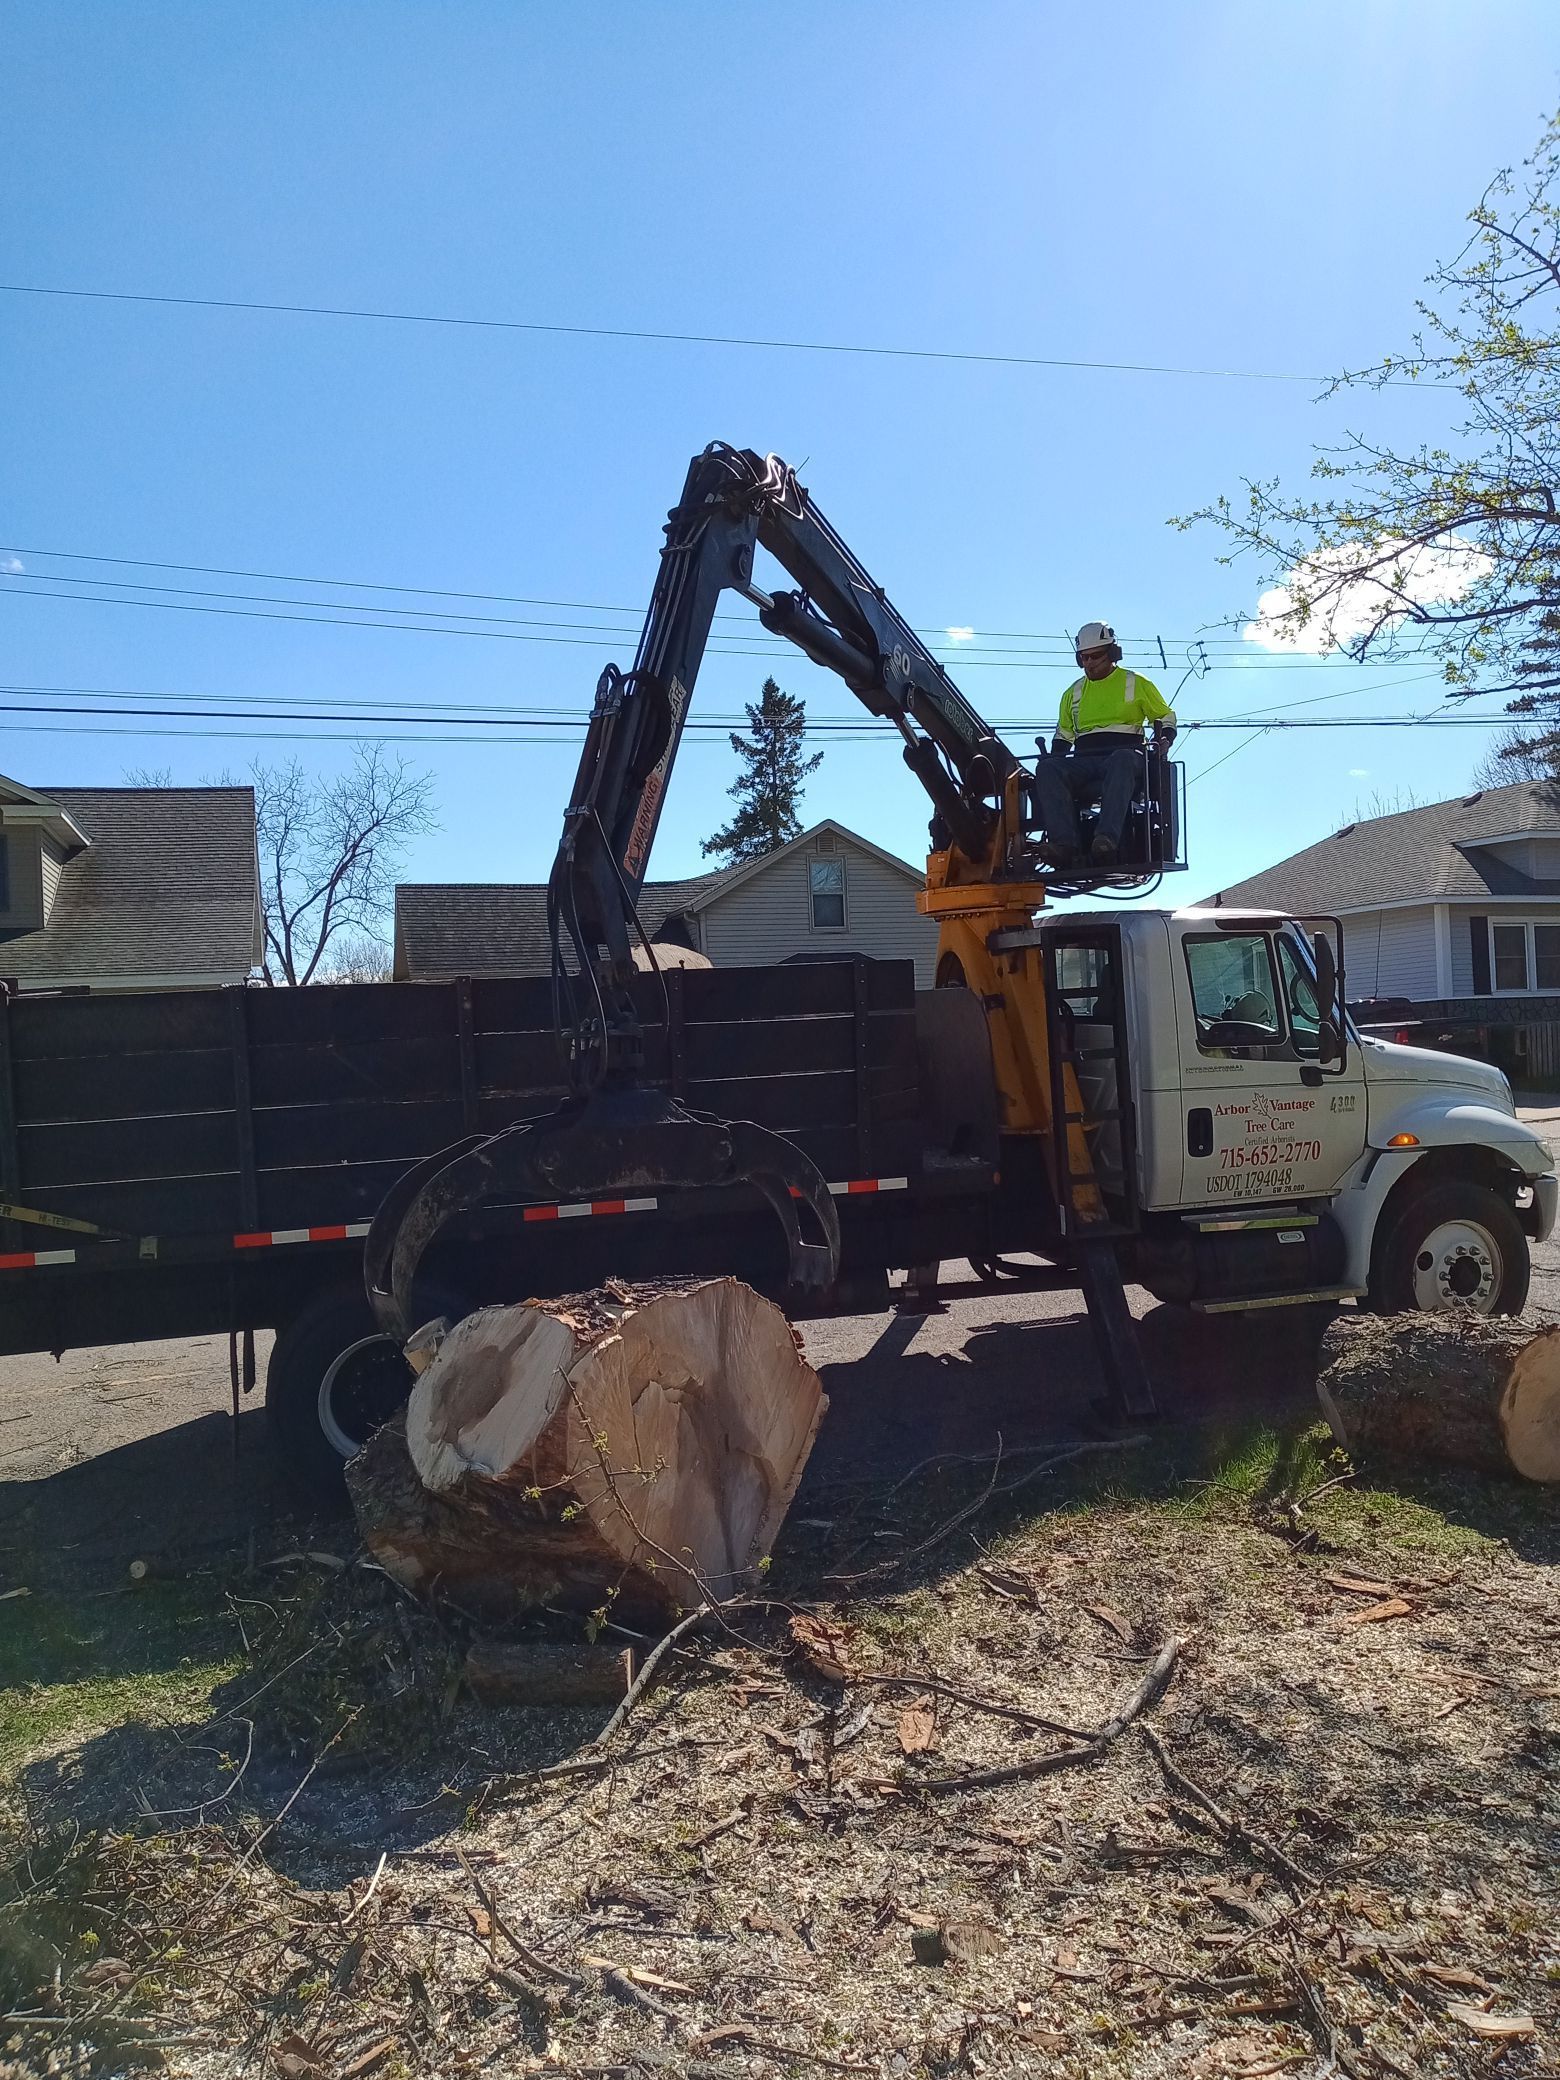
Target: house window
{"type": "Point", "coordinates": [1509, 942]}
{"type": "Point", "coordinates": [5, 872]}
{"type": "Point", "coordinates": [826, 891]}
{"type": "Point", "coordinates": [1525, 957]}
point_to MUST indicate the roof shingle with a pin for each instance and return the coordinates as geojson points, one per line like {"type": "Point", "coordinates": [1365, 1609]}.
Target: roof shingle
{"type": "Point", "coordinates": [445, 928]}
{"type": "Point", "coordinates": [1416, 855]}
{"type": "Point", "coordinates": [168, 889]}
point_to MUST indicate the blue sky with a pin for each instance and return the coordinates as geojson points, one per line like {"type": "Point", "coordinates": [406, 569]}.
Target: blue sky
{"type": "Point", "coordinates": [1222, 187]}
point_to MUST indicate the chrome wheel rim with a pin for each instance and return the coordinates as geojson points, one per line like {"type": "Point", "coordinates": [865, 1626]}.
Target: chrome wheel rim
{"type": "Point", "coordinates": [353, 1388]}
{"type": "Point", "coordinates": [1459, 1264]}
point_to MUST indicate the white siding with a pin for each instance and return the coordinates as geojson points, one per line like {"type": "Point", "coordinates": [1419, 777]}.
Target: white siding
{"type": "Point", "coordinates": [50, 862]}
{"type": "Point", "coordinates": [1391, 953]}
{"type": "Point", "coordinates": [768, 918]}
{"type": "Point", "coordinates": [25, 911]}
{"type": "Point", "coordinates": [1538, 855]}
{"type": "Point", "coordinates": [1497, 913]}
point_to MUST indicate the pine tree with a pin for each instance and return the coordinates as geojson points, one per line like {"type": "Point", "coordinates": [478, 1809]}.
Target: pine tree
{"type": "Point", "coordinates": [768, 789]}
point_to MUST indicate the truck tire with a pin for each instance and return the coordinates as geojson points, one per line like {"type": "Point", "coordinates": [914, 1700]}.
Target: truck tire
{"type": "Point", "coordinates": [334, 1377]}
{"type": "Point", "coordinates": [1454, 1244]}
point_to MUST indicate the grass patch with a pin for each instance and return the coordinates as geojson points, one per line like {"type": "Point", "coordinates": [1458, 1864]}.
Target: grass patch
{"type": "Point", "coordinates": [71, 1666]}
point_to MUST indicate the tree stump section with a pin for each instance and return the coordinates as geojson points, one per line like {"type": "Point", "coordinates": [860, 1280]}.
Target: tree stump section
{"type": "Point", "coordinates": [635, 1446]}
{"type": "Point", "coordinates": [1458, 1387]}
{"type": "Point", "coordinates": [528, 1672]}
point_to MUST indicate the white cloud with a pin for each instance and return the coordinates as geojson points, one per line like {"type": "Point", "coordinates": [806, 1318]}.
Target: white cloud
{"type": "Point", "coordinates": [960, 635]}
{"type": "Point", "coordinates": [1359, 772]}
{"type": "Point", "coordinates": [1434, 576]}
{"type": "Point", "coordinates": [13, 567]}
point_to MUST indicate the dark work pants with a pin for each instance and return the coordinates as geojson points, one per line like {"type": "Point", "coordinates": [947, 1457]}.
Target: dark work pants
{"type": "Point", "coordinates": [1085, 775]}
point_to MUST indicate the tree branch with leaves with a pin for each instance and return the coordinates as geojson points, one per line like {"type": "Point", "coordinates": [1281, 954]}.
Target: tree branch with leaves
{"type": "Point", "coordinates": [1445, 549]}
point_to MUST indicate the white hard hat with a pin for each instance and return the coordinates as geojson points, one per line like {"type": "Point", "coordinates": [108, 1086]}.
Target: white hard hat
{"type": "Point", "coordinates": [1095, 635]}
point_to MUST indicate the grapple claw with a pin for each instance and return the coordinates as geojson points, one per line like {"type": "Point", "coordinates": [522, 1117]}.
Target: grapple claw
{"type": "Point", "coordinates": [595, 1147]}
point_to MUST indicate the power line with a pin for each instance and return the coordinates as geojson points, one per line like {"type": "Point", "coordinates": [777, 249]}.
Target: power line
{"type": "Point", "coordinates": [696, 339]}
{"type": "Point", "coordinates": [341, 613]}
{"type": "Point", "coordinates": [565, 726]}
{"type": "Point", "coordinates": [1060, 645]}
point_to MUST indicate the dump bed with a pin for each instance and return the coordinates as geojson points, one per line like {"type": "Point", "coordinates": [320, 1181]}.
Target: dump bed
{"type": "Point", "coordinates": [225, 1130]}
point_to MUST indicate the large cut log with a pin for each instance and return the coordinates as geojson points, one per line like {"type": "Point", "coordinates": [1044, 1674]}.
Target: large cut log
{"type": "Point", "coordinates": [1455, 1386]}
{"type": "Point", "coordinates": [636, 1446]}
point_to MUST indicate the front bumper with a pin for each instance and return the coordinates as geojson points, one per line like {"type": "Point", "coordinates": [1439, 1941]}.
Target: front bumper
{"type": "Point", "coordinates": [1546, 1200]}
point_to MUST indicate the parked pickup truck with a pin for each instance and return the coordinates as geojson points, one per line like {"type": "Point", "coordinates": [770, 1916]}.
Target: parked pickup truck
{"type": "Point", "coordinates": [183, 1163]}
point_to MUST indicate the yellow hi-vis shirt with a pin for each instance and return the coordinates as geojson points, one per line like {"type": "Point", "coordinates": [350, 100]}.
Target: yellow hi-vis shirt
{"type": "Point", "coordinates": [1118, 706]}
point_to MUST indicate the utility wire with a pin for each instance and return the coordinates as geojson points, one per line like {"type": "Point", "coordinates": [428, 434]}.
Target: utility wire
{"type": "Point", "coordinates": [697, 339]}
{"type": "Point", "coordinates": [1059, 645]}
{"type": "Point", "coordinates": [343, 614]}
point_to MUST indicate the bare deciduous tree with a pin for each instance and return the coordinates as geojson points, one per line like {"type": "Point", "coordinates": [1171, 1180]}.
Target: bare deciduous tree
{"type": "Point", "coordinates": [1447, 548]}
{"type": "Point", "coordinates": [1518, 755]}
{"type": "Point", "coordinates": [356, 957]}
{"type": "Point", "coordinates": [329, 851]}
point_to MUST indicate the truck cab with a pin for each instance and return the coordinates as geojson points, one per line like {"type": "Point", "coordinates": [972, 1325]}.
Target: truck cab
{"type": "Point", "coordinates": [1266, 1152]}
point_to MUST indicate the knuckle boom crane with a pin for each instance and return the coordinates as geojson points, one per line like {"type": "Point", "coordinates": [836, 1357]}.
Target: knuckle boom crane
{"type": "Point", "coordinates": [986, 878]}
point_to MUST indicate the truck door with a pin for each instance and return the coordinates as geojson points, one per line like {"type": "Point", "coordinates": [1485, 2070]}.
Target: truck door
{"type": "Point", "coordinates": [1263, 1118]}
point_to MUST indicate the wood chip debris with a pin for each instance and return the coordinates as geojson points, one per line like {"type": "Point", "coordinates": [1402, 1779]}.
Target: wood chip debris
{"type": "Point", "coordinates": [1378, 1613]}
{"type": "Point", "coordinates": [1485, 2024]}
{"type": "Point", "coordinates": [917, 1726]}
{"type": "Point", "coordinates": [824, 1647]}
{"type": "Point", "coordinates": [1106, 1614]}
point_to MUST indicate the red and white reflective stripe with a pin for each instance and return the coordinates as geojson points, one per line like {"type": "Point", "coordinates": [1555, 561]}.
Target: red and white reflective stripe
{"type": "Point", "coordinates": [853, 1187]}
{"type": "Point", "coordinates": [268, 1238]}
{"type": "Point", "coordinates": [29, 1259]}
{"type": "Point", "coordinates": [585, 1207]}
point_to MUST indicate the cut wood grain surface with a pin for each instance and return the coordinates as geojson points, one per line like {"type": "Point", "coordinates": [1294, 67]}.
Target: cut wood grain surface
{"type": "Point", "coordinates": [634, 1445]}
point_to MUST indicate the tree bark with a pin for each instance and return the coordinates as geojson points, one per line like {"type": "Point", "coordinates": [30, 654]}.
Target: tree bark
{"type": "Point", "coordinates": [531, 1672]}
{"type": "Point", "coordinates": [635, 1446]}
{"type": "Point", "coordinates": [1458, 1387]}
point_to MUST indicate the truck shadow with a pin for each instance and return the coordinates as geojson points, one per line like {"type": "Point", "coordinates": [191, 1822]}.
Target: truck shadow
{"type": "Point", "coordinates": [169, 1499]}
{"type": "Point", "coordinates": [1237, 1410]}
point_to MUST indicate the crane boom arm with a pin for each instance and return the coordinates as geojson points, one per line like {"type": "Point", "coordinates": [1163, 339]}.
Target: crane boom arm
{"type": "Point", "coordinates": [733, 502]}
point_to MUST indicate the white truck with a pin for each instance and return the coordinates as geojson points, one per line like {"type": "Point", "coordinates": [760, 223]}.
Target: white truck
{"type": "Point", "coordinates": [1270, 1153]}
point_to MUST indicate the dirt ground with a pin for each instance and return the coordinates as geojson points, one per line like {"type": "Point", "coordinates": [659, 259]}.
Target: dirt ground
{"type": "Point", "coordinates": [257, 1822]}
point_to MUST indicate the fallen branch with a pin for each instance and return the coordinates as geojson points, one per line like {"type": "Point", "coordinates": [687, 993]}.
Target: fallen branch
{"type": "Point", "coordinates": [538, 1967]}
{"type": "Point", "coordinates": [1318, 2022]}
{"type": "Point", "coordinates": [652, 1662]}
{"type": "Point", "coordinates": [1235, 1831]}
{"type": "Point", "coordinates": [1138, 1700]}
{"type": "Point", "coordinates": [946, 1530]}
{"type": "Point", "coordinates": [974, 1700]}
{"type": "Point", "coordinates": [738, 2033]}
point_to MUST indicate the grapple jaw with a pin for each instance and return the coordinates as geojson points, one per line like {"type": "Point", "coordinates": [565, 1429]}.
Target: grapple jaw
{"type": "Point", "coordinates": [601, 1146]}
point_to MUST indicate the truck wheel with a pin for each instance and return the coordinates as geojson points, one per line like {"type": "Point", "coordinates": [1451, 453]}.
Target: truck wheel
{"type": "Point", "coordinates": [1452, 1245]}
{"type": "Point", "coordinates": [334, 1377]}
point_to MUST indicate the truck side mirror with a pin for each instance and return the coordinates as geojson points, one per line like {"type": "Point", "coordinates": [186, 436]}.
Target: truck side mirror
{"type": "Point", "coordinates": [1329, 1037]}
{"type": "Point", "coordinates": [1326, 975]}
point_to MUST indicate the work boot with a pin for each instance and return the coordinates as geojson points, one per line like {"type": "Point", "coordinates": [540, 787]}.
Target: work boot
{"type": "Point", "coordinates": [1103, 851]}
{"type": "Point", "coordinates": [1055, 854]}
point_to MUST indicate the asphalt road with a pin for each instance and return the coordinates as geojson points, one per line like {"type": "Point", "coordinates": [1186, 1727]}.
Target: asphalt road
{"type": "Point", "coordinates": [112, 1454]}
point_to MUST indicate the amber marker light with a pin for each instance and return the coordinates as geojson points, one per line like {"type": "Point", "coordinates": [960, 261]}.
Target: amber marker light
{"type": "Point", "coordinates": [1403, 1141]}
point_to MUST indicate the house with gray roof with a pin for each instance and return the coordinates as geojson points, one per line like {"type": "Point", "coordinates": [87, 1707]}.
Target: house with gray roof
{"type": "Point", "coordinates": [1452, 909]}
{"type": "Point", "coordinates": [127, 888]}
{"type": "Point", "coordinates": [827, 895]}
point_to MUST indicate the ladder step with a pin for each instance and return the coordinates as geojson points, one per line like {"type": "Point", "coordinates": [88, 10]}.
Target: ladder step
{"type": "Point", "coordinates": [1313, 1297]}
